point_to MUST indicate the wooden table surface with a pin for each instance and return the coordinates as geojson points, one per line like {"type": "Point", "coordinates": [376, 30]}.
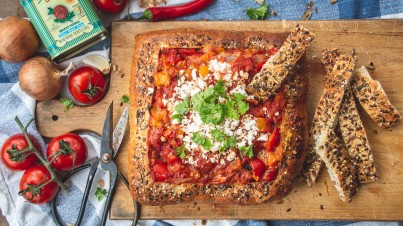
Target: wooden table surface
{"type": "Point", "coordinates": [12, 7]}
{"type": "Point", "coordinates": [380, 200]}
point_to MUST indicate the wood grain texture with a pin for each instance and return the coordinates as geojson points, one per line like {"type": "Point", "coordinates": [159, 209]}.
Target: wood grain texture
{"type": "Point", "coordinates": [378, 41]}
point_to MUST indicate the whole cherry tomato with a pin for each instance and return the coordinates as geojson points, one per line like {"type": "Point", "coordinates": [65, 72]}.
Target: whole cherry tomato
{"type": "Point", "coordinates": [110, 6]}
{"type": "Point", "coordinates": [31, 185]}
{"type": "Point", "coordinates": [11, 152]}
{"type": "Point", "coordinates": [69, 151]}
{"type": "Point", "coordinates": [87, 85]}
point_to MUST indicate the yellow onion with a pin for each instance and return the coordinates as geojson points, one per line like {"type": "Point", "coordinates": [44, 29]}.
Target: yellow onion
{"type": "Point", "coordinates": [40, 78]}
{"type": "Point", "coordinates": [18, 39]}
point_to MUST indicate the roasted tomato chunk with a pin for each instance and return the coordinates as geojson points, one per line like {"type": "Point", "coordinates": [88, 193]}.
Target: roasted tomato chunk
{"type": "Point", "coordinates": [258, 168]}
{"type": "Point", "coordinates": [270, 174]}
{"type": "Point", "coordinates": [168, 153]}
{"type": "Point", "coordinates": [154, 136]}
{"type": "Point", "coordinates": [172, 56]}
{"type": "Point", "coordinates": [273, 141]}
{"type": "Point", "coordinates": [160, 171]}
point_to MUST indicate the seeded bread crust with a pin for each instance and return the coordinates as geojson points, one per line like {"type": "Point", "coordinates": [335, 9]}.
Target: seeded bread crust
{"type": "Point", "coordinates": [324, 145]}
{"type": "Point", "coordinates": [275, 70]}
{"type": "Point", "coordinates": [351, 128]}
{"type": "Point", "coordinates": [293, 126]}
{"type": "Point", "coordinates": [374, 100]}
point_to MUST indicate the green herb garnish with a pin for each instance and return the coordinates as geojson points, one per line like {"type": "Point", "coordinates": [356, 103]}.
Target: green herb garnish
{"type": "Point", "coordinates": [259, 13]}
{"type": "Point", "coordinates": [68, 104]}
{"type": "Point", "coordinates": [218, 135]}
{"type": "Point", "coordinates": [101, 193]}
{"type": "Point", "coordinates": [125, 99]}
{"type": "Point", "coordinates": [229, 142]}
{"type": "Point", "coordinates": [180, 151]}
{"type": "Point", "coordinates": [247, 151]}
{"type": "Point", "coordinates": [200, 140]}
{"type": "Point", "coordinates": [183, 107]}
{"type": "Point", "coordinates": [211, 110]}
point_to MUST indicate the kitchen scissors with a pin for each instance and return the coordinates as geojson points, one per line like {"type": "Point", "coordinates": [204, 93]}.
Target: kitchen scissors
{"type": "Point", "coordinates": [110, 142]}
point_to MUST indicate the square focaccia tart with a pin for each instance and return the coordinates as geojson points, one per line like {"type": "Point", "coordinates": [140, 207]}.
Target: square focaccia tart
{"type": "Point", "coordinates": [196, 134]}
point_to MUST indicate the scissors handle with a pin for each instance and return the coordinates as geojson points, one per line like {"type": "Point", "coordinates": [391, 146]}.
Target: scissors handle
{"type": "Point", "coordinates": [93, 170]}
{"type": "Point", "coordinates": [113, 170]}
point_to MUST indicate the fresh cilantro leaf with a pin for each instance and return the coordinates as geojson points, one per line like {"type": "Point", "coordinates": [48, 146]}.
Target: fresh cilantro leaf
{"type": "Point", "coordinates": [183, 107]}
{"type": "Point", "coordinates": [259, 13]}
{"type": "Point", "coordinates": [101, 193]}
{"type": "Point", "coordinates": [218, 135]}
{"type": "Point", "coordinates": [124, 99]}
{"type": "Point", "coordinates": [205, 96]}
{"type": "Point", "coordinates": [207, 144]}
{"type": "Point", "coordinates": [243, 107]}
{"type": "Point", "coordinates": [178, 117]}
{"type": "Point", "coordinates": [230, 110]}
{"type": "Point", "coordinates": [68, 104]}
{"type": "Point", "coordinates": [247, 151]}
{"type": "Point", "coordinates": [198, 138]}
{"type": "Point", "coordinates": [229, 142]}
{"type": "Point", "coordinates": [180, 151]}
{"type": "Point", "coordinates": [212, 114]}
{"type": "Point", "coordinates": [219, 88]}
{"type": "Point", "coordinates": [238, 97]}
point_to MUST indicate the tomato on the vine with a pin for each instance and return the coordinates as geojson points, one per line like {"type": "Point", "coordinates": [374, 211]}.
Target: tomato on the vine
{"type": "Point", "coordinates": [68, 151]}
{"type": "Point", "coordinates": [87, 85]}
{"type": "Point", "coordinates": [34, 186]}
{"type": "Point", "coordinates": [110, 6]}
{"type": "Point", "coordinates": [15, 154]}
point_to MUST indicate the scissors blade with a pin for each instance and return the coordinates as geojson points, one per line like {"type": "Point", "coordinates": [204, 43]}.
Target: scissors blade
{"type": "Point", "coordinates": [119, 131]}
{"type": "Point", "coordinates": [106, 139]}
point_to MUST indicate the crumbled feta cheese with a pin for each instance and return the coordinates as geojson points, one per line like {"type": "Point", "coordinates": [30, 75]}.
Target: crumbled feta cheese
{"type": "Point", "coordinates": [231, 156]}
{"type": "Point", "coordinates": [150, 90]}
{"type": "Point", "coordinates": [262, 137]}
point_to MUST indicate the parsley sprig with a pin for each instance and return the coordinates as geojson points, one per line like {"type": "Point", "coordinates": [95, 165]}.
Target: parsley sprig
{"type": "Point", "coordinates": [213, 105]}
{"type": "Point", "coordinates": [180, 151]}
{"type": "Point", "coordinates": [247, 151]}
{"type": "Point", "coordinates": [259, 13]}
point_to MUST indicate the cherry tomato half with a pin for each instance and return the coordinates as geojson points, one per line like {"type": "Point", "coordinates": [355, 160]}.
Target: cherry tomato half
{"type": "Point", "coordinates": [67, 144]}
{"type": "Point", "coordinates": [19, 142]}
{"type": "Point", "coordinates": [87, 85]}
{"type": "Point", "coordinates": [110, 6]}
{"type": "Point", "coordinates": [37, 175]}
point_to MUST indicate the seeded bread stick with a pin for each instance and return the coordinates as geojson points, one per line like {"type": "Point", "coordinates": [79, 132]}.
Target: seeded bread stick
{"type": "Point", "coordinates": [374, 100]}
{"type": "Point", "coordinates": [352, 129]}
{"type": "Point", "coordinates": [340, 167]}
{"type": "Point", "coordinates": [322, 133]}
{"type": "Point", "coordinates": [275, 70]}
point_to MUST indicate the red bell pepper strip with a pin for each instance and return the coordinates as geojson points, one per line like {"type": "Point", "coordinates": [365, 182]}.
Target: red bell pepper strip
{"type": "Point", "coordinates": [171, 12]}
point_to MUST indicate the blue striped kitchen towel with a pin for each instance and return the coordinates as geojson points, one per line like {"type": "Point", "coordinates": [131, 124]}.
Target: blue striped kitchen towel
{"type": "Point", "coordinates": [14, 102]}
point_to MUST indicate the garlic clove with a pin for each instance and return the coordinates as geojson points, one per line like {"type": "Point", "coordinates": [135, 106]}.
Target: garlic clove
{"type": "Point", "coordinates": [99, 62]}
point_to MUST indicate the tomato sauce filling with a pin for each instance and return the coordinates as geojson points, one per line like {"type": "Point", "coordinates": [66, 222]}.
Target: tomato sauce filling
{"type": "Point", "coordinates": [176, 156]}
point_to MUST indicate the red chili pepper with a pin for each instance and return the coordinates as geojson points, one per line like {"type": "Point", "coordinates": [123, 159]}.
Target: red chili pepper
{"type": "Point", "coordinates": [170, 12]}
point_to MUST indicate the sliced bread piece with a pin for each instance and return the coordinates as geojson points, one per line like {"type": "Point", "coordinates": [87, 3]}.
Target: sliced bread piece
{"type": "Point", "coordinates": [275, 70]}
{"type": "Point", "coordinates": [352, 129]}
{"type": "Point", "coordinates": [340, 167]}
{"type": "Point", "coordinates": [355, 139]}
{"type": "Point", "coordinates": [323, 140]}
{"type": "Point", "coordinates": [374, 100]}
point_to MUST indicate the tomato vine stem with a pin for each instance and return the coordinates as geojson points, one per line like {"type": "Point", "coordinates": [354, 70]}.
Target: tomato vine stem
{"type": "Point", "coordinates": [54, 177]}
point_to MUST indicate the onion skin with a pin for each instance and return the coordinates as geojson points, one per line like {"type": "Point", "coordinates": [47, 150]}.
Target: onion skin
{"type": "Point", "coordinates": [40, 78]}
{"type": "Point", "coordinates": [18, 39]}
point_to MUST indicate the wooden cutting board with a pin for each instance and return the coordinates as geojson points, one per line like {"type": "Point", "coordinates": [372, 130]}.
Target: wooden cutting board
{"type": "Point", "coordinates": [373, 40]}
